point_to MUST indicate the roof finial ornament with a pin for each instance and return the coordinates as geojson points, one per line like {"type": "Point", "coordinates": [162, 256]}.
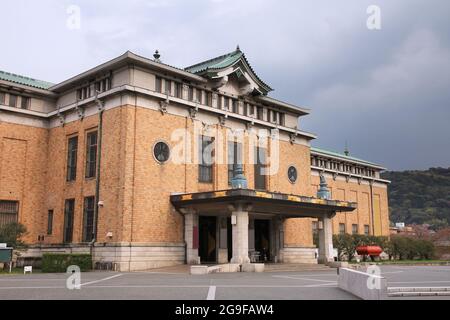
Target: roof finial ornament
{"type": "Point", "coordinates": [346, 151]}
{"type": "Point", "coordinates": [157, 56]}
{"type": "Point", "coordinates": [237, 48]}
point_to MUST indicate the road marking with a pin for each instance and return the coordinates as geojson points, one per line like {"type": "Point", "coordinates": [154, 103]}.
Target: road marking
{"type": "Point", "coordinates": [175, 286]}
{"type": "Point", "coordinates": [418, 282]}
{"type": "Point", "coordinates": [101, 280]}
{"type": "Point", "coordinates": [29, 280]}
{"type": "Point", "coordinates": [391, 272]}
{"type": "Point", "coordinates": [299, 278]}
{"type": "Point", "coordinates": [14, 288]}
{"type": "Point", "coordinates": [309, 275]}
{"type": "Point", "coordinates": [211, 293]}
{"type": "Point", "coordinates": [170, 273]}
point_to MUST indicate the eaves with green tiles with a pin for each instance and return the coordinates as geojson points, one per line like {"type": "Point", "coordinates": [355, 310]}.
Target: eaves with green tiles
{"type": "Point", "coordinates": [11, 77]}
{"type": "Point", "coordinates": [222, 62]}
{"type": "Point", "coordinates": [340, 155]}
{"type": "Point", "coordinates": [216, 63]}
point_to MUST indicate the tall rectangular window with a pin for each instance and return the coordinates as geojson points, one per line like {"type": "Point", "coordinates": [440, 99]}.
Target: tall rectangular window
{"type": "Point", "coordinates": [274, 116]}
{"type": "Point", "coordinates": [2, 98]}
{"type": "Point", "coordinates": [354, 229]}
{"type": "Point", "coordinates": [206, 154]}
{"type": "Point", "coordinates": [341, 228]}
{"type": "Point", "coordinates": [88, 219]}
{"type": "Point", "coordinates": [199, 96]}
{"type": "Point", "coordinates": [260, 168]}
{"type": "Point", "coordinates": [50, 222]}
{"type": "Point", "coordinates": [169, 87]}
{"type": "Point", "coordinates": [226, 103]}
{"type": "Point", "coordinates": [219, 102]}
{"type": "Point", "coordinates": [91, 154]}
{"type": "Point", "coordinates": [209, 98]}
{"type": "Point", "coordinates": [178, 90]}
{"type": "Point", "coordinates": [12, 100]}
{"type": "Point", "coordinates": [191, 94]}
{"type": "Point", "coordinates": [25, 104]}
{"type": "Point", "coordinates": [158, 84]}
{"type": "Point", "coordinates": [69, 210]}
{"type": "Point", "coordinates": [282, 119]}
{"type": "Point", "coordinates": [235, 106]}
{"type": "Point", "coordinates": [366, 230]}
{"type": "Point", "coordinates": [260, 113]}
{"type": "Point", "coordinates": [234, 158]}
{"type": "Point", "coordinates": [72, 149]}
{"type": "Point", "coordinates": [251, 110]}
{"type": "Point", "coordinates": [9, 211]}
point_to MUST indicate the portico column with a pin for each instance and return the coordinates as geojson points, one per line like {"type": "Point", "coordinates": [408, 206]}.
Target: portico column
{"type": "Point", "coordinates": [279, 238]}
{"type": "Point", "coordinates": [191, 237]}
{"type": "Point", "coordinates": [240, 236]}
{"type": "Point", "coordinates": [325, 240]}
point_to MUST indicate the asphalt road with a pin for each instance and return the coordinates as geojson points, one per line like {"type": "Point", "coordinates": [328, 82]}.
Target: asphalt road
{"type": "Point", "coordinates": [320, 285]}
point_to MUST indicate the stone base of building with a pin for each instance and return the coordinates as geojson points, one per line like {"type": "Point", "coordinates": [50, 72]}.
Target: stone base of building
{"type": "Point", "coordinates": [114, 256]}
{"type": "Point", "coordinates": [139, 256]}
{"type": "Point", "coordinates": [307, 255]}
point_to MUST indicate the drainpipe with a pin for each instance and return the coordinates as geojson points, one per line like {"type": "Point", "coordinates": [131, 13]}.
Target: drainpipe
{"type": "Point", "coordinates": [371, 207]}
{"type": "Point", "coordinates": [101, 108]}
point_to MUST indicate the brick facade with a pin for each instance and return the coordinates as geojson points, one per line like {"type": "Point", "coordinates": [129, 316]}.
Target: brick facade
{"type": "Point", "coordinates": [135, 188]}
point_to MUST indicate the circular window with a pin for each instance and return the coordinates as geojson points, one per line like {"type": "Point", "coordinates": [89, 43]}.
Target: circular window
{"type": "Point", "coordinates": [292, 174]}
{"type": "Point", "coordinates": [161, 152]}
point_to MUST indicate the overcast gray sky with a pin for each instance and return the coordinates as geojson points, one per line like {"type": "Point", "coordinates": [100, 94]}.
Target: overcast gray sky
{"type": "Point", "coordinates": [386, 92]}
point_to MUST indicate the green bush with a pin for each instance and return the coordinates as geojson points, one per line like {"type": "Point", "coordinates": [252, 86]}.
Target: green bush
{"type": "Point", "coordinates": [398, 247]}
{"type": "Point", "coordinates": [58, 263]}
{"type": "Point", "coordinates": [345, 245]}
{"type": "Point", "coordinates": [11, 234]}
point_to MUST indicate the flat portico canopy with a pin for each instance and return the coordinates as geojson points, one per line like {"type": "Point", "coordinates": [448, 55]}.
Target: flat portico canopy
{"type": "Point", "coordinates": [261, 202]}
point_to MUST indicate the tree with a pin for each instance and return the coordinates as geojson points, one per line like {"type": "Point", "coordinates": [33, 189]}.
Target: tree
{"type": "Point", "coordinates": [11, 234]}
{"type": "Point", "coordinates": [345, 245]}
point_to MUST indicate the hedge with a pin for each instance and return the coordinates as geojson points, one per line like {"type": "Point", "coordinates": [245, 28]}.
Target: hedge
{"type": "Point", "coordinates": [58, 263]}
{"type": "Point", "coordinates": [398, 247]}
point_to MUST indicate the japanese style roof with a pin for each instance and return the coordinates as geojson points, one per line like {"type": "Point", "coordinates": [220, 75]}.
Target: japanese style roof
{"type": "Point", "coordinates": [11, 77]}
{"type": "Point", "coordinates": [344, 157]}
{"type": "Point", "coordinates": [214, 65]}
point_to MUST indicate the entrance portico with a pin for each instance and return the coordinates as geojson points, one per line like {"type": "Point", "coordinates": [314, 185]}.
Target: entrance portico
{"type": "Point", "coordinates": [243, 207]}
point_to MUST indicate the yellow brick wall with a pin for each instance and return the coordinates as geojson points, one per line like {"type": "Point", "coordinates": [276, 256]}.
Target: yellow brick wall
{"type": "Point", "coordinates": [23, 158]}
{"type": "Point", "coordinates": [135, 189]}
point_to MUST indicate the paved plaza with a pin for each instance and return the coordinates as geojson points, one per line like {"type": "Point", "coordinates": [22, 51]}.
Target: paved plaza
{"type": "Point", "coordinates": [175, 284]}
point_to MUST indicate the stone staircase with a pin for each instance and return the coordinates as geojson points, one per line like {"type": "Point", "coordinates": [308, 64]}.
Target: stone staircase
{"type": "Point", "coordinates": [418, 291]}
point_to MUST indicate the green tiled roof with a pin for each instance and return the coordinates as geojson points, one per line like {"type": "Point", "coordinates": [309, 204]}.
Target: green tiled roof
{"type": "Point", "coordinates": [341, 155]}
{"type": "Point", "coordinates": [25, 80]}
{"type": "Point", "coordinates": [222, 62]}
{"type": "Point", "coordinates": [216, 63]}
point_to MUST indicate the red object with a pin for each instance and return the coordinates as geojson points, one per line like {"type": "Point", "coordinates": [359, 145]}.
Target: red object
{"type": "Point", "coordinates": [373, 251]}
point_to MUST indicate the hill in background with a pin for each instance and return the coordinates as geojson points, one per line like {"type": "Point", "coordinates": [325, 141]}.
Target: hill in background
{"type": "Point", "coordinates": [420, 197]}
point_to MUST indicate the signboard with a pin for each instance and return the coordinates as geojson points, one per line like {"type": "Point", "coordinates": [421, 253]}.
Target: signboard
{"type": "Point", "coordinates": [6, 255]}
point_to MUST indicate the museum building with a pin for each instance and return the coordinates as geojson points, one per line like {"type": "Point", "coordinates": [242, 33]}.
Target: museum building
{"type": "Point", "coordinates": [146, 165]}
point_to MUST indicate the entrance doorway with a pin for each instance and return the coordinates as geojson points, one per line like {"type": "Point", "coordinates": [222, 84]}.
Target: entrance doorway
{"type": "Point", "coordinates": [207, 239]}
{"type": "Point", "coordinates": [262, 239]}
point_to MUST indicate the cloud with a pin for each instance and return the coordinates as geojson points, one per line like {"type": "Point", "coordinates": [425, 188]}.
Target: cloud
{"type": "Point", "coordinates": [394, 108]}
{"type": "Point", "coordinates": [385, 92]}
